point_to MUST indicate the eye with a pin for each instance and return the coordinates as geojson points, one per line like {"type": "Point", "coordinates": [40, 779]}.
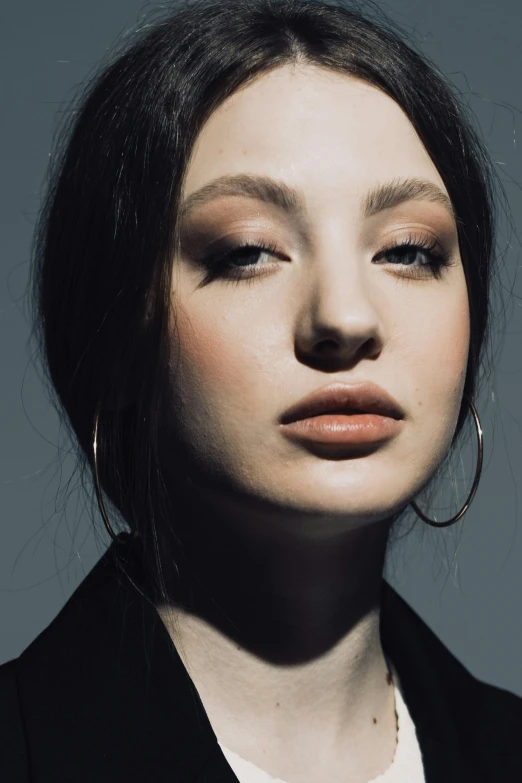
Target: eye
{"type": "Point", "coordinates": [422, 254]}
{"type": "Point", "coordinates": [240, 262]}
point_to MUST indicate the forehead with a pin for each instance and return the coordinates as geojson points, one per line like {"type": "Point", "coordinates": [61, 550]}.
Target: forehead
{"type": "Point", "coordinates": [329, 133]}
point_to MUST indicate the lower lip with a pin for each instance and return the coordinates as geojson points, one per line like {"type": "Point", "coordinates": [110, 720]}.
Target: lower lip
{"type": "Point", "coordinates": [343, 428]}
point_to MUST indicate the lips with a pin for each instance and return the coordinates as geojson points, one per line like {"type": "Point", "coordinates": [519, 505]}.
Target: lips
{"type": "Point", "coordinates": [342, 398]}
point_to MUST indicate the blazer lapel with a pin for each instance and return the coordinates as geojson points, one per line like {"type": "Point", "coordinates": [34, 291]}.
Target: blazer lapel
{"type": "Point", "coordinates": [106, 697]}
{"type": "Point", "coordinates": [426, 670]}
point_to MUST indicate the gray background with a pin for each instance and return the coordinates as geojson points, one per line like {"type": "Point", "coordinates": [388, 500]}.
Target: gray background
{"type": "Point", "coordinates": [465, 581]}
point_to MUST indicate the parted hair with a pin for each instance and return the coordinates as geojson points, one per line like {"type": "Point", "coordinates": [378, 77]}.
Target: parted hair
{"type": "Point", "coordinates": [108, 228]}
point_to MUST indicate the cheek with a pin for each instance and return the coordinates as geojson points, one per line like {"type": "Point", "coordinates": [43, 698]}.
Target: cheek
{"type": "Point", "coordinates": [449, 347]}
{"type": "Point", "coordinates": [440, 352]}
{"type": "Point", "coordinates": [222, 373]}
{"type": "Point", "coordinates": [206, 354]}
{"type": "Point", "coordinates": [218, 358]}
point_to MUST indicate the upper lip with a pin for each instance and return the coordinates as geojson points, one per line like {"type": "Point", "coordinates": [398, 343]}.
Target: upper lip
{"type": "Point", "coordinates": [364, 397]}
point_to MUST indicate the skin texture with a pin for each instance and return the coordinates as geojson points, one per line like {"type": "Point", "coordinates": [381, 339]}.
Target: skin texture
{"type": "Point", "coordinates": [280, 627]}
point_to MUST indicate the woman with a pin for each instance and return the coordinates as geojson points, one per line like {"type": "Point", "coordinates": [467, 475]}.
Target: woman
{"type": "Point", "coordinates": [262, 286]}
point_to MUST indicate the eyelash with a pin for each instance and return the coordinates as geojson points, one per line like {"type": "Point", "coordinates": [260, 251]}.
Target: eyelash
{"type": "Point", "coordinates": [220, 265]}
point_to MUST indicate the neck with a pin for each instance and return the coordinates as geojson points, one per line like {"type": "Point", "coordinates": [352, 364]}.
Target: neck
{"type": "Point", "coordinates": [274, 620]}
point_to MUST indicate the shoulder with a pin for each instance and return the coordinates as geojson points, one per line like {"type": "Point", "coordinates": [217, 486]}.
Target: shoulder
{"type": "Point", "coordinates": [14, 762]}
{"type": "Point", "coordinates": [487, 713]}
{"type": "Point", "coordinates": [449, 705]}
{"type": "Point", "coordinates": [40, 688]}
{"type": "Point", "coordinates": [488, 721]}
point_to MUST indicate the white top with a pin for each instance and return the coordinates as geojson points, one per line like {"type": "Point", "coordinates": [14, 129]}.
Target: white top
{"type": "Point", "coordinates": [406, 764]}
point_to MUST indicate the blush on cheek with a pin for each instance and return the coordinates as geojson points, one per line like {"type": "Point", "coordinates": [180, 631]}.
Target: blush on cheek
{"type": "Point", "coordinates": [457, 348]}
{"type": "Point", "coordinates": [448, 354]}
{"type": "Point", "coordinates": [213, 359]}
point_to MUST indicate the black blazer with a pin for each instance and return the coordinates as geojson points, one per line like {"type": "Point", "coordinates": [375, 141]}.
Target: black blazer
{"type": "Point", "coordinates": [102, 696]}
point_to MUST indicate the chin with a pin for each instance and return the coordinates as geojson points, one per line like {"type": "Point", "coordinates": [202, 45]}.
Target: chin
{"type": "Point", "coordinates": [363, 503]}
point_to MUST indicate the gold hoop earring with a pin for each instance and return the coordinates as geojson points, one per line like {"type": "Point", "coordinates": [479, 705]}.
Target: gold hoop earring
{"type": "Point", "coordinates": [415, 507]}
{"type": "Point", "coordinates": [475, 480]}
{"type": "Point", "coordinates": [97, 480]}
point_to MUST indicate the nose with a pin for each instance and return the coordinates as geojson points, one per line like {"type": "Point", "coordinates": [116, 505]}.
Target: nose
{"type": "Point", "coordinates": [340, 322]}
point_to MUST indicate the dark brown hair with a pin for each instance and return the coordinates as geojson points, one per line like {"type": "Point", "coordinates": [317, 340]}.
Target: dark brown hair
{"type": "Point", "coordinates": [108, 227]}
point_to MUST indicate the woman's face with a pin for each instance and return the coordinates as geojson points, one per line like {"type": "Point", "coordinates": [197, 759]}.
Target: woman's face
{"type": "Point", "coordinates": [327, 304]}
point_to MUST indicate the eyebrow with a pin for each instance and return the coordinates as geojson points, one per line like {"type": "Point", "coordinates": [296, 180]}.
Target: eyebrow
{"type": "Point", "coordinates": [383, 196]}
